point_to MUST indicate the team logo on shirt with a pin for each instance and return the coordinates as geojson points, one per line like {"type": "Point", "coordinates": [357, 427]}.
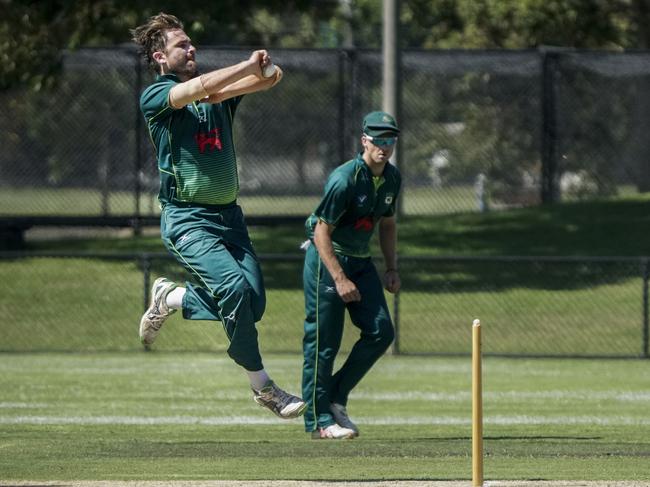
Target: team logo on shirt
{"type": "Point", "coordinates": [210, 140]}
{"type": "Point", "coordinates": [361, 199]}
{"type": "Point", "coordinates": [389, 199]}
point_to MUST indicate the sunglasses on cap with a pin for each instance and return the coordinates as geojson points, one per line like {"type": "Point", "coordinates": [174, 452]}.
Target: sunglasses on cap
{"type": "Point", "coordinates": [382, 141]}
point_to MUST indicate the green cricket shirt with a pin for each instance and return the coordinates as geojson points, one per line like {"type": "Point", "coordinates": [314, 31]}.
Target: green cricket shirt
{"type": "Point", "coordinates": [353, 202]}
{"type": "Point", "coordinates": [194, 146]}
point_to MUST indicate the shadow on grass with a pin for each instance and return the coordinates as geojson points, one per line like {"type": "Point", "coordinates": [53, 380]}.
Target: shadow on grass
{"type": "Point", "coordinates": [528, 437]}
{"type": "Point", "coordinates": [450, 275]}
{"type": "Point", "coordinates": [606, 228]}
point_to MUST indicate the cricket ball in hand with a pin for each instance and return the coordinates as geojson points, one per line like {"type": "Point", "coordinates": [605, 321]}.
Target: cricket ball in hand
{"type": "Point", "coordinates": [268, 70]}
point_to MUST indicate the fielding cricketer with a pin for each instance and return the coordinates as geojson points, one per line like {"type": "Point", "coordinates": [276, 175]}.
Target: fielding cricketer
{"type": "Point", "coordinates": [339, 274]}
{"type": "Point", "coordinates": [190, 120]}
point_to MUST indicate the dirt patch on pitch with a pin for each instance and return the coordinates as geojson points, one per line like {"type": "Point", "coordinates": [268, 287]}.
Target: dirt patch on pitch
{"type": "Point", "coordinates": [304, 483]}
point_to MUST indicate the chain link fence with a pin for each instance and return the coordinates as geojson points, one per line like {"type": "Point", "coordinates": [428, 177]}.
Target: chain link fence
{"type": "Point", "coordinates": [537, 306]}
{"type": "Point", "coordinates": [481, 130]}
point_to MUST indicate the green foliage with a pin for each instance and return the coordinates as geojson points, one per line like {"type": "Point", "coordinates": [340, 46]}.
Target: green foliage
{"type": "Point", "coordinates": [431, 24]}
{"type": "Point", "coordinates": [591, 149]}
{"type": "Point", "coordinates": [499, 112]}
{"type": "Point", "coordinates": [531, 23]}
{"type": "Point", "coordinates": [34, 33]}
{"type": "Point", "coordinates": [29, 45]}
{"type": "Point", "coordinates": [492, 140]}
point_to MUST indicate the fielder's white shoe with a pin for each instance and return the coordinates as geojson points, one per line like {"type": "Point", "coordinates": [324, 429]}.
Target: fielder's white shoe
{"type": "Point", "coordinates": [158, 311]}
{"type": "Point", "coordinates": [341, 417]}
{"type": "Point", "coordinates": [333, 432]}
{"type": "Point", "coordinates": [283, 404]}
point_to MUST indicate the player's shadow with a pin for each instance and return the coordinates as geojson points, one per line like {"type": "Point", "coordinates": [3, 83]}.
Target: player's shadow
{"type": "Point", "coordinates": [499, 438]}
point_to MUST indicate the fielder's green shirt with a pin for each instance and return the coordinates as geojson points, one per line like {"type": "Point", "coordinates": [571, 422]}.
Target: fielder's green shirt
{"type": "Point", "coordinates": [353, 202]}
{"type": "Point", "coordinates": [194, 146]}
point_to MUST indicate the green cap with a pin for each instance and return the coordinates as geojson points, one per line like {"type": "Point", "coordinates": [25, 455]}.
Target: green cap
{"type": "Point", "coordinates": [378, 123]}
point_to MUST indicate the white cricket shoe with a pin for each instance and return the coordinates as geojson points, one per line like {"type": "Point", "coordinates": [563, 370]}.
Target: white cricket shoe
{"type": "Point", "coordinates": [283, 404]}
{"type": "Point", "coordinates": [333, 432]}
{"type": "Point", "coordinates": [340, 414]}
{"type": "Point", "coordinates": [158, 311]}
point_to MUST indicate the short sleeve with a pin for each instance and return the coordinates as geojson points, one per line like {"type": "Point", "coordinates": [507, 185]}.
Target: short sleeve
{"type": "Point", "coordinates": [334, 203]}
{"type": "Point", "coordinates": [232, 104]}
{"type": "Point", "coordinates": [154, 101]}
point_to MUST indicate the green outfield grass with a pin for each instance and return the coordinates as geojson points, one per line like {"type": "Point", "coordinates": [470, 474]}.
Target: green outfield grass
{"type": "Point", "coordinates": [70, 201]}
{"type": "Point", "coordinates": [155, 416]}
{"type": "Point", "coordinates": [95, 304]}
{"type": "Point", "coordinates": [421, 200]}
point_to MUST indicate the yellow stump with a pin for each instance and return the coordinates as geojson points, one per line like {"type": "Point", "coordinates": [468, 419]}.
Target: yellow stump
{"type": "Point", "coordinates": [477, 407]}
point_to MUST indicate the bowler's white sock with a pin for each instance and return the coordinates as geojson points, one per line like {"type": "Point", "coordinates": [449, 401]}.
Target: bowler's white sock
{"type": "Point", "coordinates": [258, 379]}
{"type": "Point", "coordinates": [175, 298]}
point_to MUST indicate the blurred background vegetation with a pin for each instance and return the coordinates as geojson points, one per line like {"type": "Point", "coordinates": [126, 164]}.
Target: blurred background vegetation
{"type": "Point", "coordinates": [33, 34]}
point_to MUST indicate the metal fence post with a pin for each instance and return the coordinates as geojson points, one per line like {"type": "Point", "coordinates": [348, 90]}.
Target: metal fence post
{"type": "Point", "coordinates": [395, 346]}
{"type": "Point", "coordinates": [354, 101]}
{"type": "Point", "coordinates": [646, 325]}
{"type": "Point", "coordinates": [342, 126]}
{"type": "Point", "coordinates": [138, 145]}
{"type": "Point", "coordinates": [146, 278]}
{"type": "Point", "coordinates": [549, 127]}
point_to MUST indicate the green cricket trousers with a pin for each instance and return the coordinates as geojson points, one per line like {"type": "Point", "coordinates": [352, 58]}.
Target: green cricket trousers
{"type": "Point", "coordinates": [324, 319]}
{"type": "Point", "coordinates": [212, 243]}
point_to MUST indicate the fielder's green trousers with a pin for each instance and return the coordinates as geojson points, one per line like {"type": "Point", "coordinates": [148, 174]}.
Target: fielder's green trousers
{"type": "Point", "coordinates": [324, 318]}
{"type": "Point", "coordinates": [213, 244]}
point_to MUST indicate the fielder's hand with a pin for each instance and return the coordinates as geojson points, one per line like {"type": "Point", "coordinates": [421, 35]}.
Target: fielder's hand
{"type": "Point", "coordinates": [392, 282]}
{"type": "Point", "coordinates": [347, 290]}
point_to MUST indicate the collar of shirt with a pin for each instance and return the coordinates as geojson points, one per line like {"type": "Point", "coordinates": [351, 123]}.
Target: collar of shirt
{"type": "Point", "coordinates": [361, 164]}
{"type": "Point", "coordinates": [169, 76]}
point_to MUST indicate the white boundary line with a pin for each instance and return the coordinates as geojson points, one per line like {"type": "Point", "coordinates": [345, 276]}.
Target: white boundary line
{"type": "Point", "coordinates": [245, 420]}
{"type": "Point", "coordinates": [461, 396]}
{"type": "Point", "coordinates": [585, 395]}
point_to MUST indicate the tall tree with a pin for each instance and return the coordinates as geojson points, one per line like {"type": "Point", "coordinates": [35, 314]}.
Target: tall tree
{"type": "Point", "coordinates": [34, 34]}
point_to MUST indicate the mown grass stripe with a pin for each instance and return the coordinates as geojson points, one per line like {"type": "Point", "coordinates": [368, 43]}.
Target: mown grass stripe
{"type": "Point", "coordinates": [387, 420]}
